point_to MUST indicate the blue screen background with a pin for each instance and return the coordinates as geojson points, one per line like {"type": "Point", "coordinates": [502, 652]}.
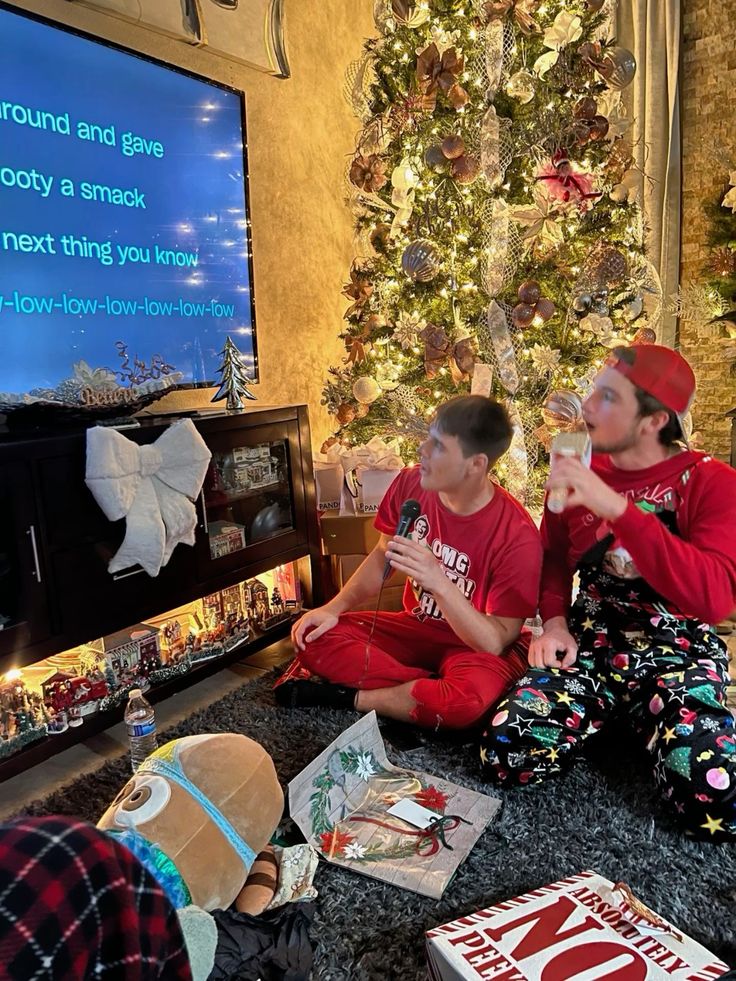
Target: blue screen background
{"type": "Point", "coordinates": [195, 204]}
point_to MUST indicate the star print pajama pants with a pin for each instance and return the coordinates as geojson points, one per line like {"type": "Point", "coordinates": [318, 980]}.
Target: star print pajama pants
{"type": "Point", "coordinates": [667, 675]}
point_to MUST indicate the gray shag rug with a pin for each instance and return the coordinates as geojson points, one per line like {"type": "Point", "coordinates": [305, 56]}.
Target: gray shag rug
{"type": "Point", "coordinates": [602, 815]}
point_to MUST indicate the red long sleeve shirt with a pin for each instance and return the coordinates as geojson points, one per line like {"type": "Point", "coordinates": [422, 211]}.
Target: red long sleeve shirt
{"type": "Point", "coordinates": [693, 569]}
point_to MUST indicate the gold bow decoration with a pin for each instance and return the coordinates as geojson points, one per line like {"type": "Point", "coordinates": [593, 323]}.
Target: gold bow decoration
{"type": "Point", "coordinates": [359, 290]}
{"type": "Point", "coordinates": [358, 344]}
{"type": "Point", "coordinates": [438, 348]}
{"type": "Point", "coordinates": [356, 348]}
{"type": "Point", "coordinates": [438, 73]}
{"type": "Point", "coordinates": [521, 11]}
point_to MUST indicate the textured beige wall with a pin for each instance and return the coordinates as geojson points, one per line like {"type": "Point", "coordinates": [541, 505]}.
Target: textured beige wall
{"type": "Point", "coordinates": [300, 134]}
{"type": "Point", "coordinates": [709, 135]}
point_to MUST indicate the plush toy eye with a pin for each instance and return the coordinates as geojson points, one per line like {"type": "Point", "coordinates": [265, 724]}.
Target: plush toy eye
{"type": "Point", "coordinates": [123, 793]}
{"type": "Point", "coordinates": [141, 800]}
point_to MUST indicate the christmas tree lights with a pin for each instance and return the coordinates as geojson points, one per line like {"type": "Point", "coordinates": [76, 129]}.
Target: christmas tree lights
{"type": "Point", "coordinates": [496, 220]}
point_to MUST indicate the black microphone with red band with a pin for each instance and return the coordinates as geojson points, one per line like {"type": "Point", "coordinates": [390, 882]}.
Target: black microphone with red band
{"type": "Point", "coordinates": [407, 516]}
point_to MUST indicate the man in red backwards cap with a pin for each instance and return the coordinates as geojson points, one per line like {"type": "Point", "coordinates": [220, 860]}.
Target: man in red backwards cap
{"type": "Point", "coordinates": [651, 530]}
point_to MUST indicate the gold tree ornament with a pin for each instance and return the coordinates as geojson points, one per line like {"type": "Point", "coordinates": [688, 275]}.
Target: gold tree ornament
{"type": "Point", "coordinates": [368, 172]}
{"type": "Point", "coordinates": [345, 413]}
{"type": "Point", "coordinates": [563, 411]}
{"type": "Point", "coordinates": [617, 66]}
{"type": "Point", "coordinates": [409, 13]}
{"type": "Point", "coordinates": [645, 335]}
{"type": "Point", "coordinates": [521, 86]}
{"type": "Point", "coordinates": [465, 169]}
{"type": "Point", "coordinates": [453, 147]}
{"type": "Point", "coordinates": [611, 267]}
{"type": "Point", "coordinates": [532, 306]}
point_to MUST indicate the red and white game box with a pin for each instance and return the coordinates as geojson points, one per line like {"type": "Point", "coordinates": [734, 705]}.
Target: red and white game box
{"type": "Point", "coordinates": [584, 927]}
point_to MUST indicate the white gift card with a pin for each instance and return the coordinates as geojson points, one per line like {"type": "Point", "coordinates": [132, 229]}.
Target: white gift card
{"type": "Point", "coordinates": [411, 812]}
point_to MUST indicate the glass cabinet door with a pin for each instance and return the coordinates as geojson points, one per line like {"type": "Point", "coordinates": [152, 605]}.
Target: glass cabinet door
{"type": "Point", "coordinates": [248, 495]}
{"type": "Point", "coordinates": [23, 604]}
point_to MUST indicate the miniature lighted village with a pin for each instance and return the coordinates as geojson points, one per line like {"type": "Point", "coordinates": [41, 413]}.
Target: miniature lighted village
{"type": "Point", "coordinates": [45, 698]}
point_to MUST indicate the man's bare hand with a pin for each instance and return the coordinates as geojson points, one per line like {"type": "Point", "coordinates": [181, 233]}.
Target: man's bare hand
{"type": "Point", "coordinates": [555, 648]}
{"type": "Point", "coordinates": [311, 626]}
{"type": "Point", "coordinates": [416, 561]}
{"type": "Point", "coordinates": [586, 489]}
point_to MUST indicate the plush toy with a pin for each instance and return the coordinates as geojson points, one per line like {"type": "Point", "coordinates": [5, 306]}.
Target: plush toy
{"type": "Point", "coordinates": [197, 812]}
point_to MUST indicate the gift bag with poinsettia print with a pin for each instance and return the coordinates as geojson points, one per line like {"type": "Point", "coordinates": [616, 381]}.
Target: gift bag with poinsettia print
{"type": "Point", "coordinates": [405, 827]}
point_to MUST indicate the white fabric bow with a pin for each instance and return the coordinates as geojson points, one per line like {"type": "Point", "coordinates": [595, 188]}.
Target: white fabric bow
{"type": "Point", "coordinates": [152, 486]}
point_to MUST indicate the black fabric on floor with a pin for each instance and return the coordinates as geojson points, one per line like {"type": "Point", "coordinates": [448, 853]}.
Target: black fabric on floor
{"type": "Point", "coordinates": [274, 946]}
{"type": "Point", "coordinates": [604, 814]}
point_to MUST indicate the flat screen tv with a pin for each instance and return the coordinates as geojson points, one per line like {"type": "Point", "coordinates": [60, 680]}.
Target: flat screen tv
{"type": "Point", "coordinates": [124, 222]}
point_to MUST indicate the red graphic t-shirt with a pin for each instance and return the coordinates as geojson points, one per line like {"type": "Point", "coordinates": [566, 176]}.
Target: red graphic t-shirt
{"type": "Point", "coordinates": [493, 556]}
{"type": "Point", "coordinates": [689, 558]}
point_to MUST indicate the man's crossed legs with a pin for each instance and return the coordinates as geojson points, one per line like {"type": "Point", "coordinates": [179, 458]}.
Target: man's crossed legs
{"type": "Point", "coordinates": [405, 672]}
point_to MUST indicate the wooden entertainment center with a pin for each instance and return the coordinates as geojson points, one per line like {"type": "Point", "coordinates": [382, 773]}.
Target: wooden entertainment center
{"type": "Point", "coordinates": [55, 544]}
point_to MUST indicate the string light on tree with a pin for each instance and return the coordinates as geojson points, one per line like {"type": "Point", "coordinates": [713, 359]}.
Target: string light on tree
{"type": "Point", "coordinates": [493, 185]}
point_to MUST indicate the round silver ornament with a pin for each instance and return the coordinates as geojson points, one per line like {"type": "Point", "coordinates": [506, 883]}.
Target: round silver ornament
{"type": "Point", "coordinates": [617, 66]}
{"type": "Point", "coordinates": [435, 159]}
{"type": "Point", "coordinates": [634, 308]}
{"type": "Point", "coordinates": [421, 260]}
{"type": "Point", "coordinates": [562, 411]}
{"type": "Point", "coordinates": [366, 389]}
{"type": "Point", "coordinates": [582, 303]}
{"type": "Point", "coordinates": [521, 86]}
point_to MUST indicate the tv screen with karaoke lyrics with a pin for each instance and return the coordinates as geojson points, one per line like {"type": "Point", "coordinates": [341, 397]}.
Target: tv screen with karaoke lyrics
{"type": "Point", "coordinates": [124, 221]}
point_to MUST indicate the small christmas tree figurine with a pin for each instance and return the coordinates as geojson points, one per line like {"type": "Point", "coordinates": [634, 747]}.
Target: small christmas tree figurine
{"type": "Point", "coordinates": [234, 383]}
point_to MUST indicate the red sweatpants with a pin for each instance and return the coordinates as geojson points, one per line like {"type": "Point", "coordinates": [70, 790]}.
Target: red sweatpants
{"type": "Point", "coordinates": [453, 686]}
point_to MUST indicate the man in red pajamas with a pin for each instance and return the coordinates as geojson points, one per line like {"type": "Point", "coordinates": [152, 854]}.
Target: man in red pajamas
{"type": "Point", "coordinates": [473, 570]}
{"type": "Point", "coordinates": [651, 530]}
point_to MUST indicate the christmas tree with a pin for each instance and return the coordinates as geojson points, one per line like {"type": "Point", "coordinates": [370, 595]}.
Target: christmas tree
{"type": "Point", "coordinates": [709, 303]}
{"type": "Point", "coordinates": [234, 381]}
{"type": "Point", "coordinates": [497, 228]}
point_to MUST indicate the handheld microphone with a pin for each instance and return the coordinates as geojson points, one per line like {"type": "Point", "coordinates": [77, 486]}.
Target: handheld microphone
{"type": "Point", "coordinates": [567, 445]}
{"type": "Point", "coordinates": [408, 515]}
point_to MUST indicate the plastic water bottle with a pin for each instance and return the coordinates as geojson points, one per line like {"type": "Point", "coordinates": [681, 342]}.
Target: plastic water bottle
{"type": "Point", "coordinates": [141, 722]}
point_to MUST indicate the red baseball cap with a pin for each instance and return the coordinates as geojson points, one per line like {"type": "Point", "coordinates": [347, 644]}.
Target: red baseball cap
{"type": "Point", "coordinates": [662, 373]}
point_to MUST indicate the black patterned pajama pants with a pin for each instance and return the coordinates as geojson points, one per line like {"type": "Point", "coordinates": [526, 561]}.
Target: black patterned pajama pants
{"type": "Point", "coordinates": [667, 675]}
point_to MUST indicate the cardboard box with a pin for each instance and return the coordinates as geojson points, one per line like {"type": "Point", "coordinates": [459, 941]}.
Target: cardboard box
{"type": "Point", "coordinates": [350, 534]}
{"type": "Point", "coordinates": [584, 926]}
{"type": "Point", "coordinates": [343, 566]}
{"type": "Point", "coordinates": [347, 539]}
